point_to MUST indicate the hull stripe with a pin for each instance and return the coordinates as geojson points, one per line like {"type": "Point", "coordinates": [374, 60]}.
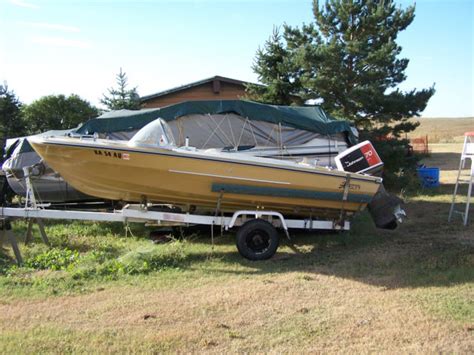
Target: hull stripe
{"type": "Point", "coordinates": [292, 193]}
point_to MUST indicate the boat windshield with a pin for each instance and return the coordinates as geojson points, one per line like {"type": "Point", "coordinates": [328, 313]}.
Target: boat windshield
{"type": "Point", "coordinates": [154, 134]}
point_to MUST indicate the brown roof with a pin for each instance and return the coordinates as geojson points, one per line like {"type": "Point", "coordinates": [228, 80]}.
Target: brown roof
{"type": "Point", "coordinates": [193, 84]}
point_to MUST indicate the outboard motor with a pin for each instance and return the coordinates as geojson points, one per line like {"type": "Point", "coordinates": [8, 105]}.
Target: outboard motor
{"type": "Point", "coordinates": [361, 158]}
{"type": "Point", "coordinates": [384, 208]}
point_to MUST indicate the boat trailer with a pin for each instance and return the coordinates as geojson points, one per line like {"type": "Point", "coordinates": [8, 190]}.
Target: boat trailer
{"type": "Point", "coordinates": [257, 235]}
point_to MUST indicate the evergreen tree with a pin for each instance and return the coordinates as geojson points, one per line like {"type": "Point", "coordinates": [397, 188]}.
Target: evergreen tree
{"type": "Point", "coordinates": [349, 57]}
{"type": "Point", "coordinates": [277, 72]}
{"type": "Point", "coordinates": [121, 98]}
{"type": "Point", "coordinates": [57, 112]}
{"type": "Point", "coordinates": [11, 122]}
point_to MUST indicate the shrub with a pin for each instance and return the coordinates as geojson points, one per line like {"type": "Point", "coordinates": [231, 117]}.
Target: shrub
{"type": "Point", "coordinates": [399, 163]}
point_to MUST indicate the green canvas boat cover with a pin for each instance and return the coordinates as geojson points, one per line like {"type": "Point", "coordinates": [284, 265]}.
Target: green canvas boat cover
{"type": "Point", "coordinates": [310, 118]}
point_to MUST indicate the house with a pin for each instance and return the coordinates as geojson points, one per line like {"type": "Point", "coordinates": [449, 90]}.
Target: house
{"type": "Point", "coordinates": [215, 88]}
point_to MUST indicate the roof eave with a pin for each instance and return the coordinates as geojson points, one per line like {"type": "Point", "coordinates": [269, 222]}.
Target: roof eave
{"type": "Point", "coordinates": [193, 84]}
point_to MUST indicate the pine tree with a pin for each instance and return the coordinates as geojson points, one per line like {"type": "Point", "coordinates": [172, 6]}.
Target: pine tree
{"type": "Point", "coordinates": [276, 71]}
{"type": "Point", "coordinates": [349, 58]}
{"type": "Point", "coordinates": [121, 98]}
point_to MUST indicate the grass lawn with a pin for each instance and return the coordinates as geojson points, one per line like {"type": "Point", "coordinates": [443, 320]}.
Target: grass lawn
{"type": "Point", "coordinates": [408, 290]}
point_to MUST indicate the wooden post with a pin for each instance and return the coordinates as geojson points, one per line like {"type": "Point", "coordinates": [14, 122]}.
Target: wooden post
{"type": "Point", "coordinates": [29, 234]}
{"type": "Point", "coordinates": [7, 234]}
{"type": "Point", "coordinates": [43, 232]}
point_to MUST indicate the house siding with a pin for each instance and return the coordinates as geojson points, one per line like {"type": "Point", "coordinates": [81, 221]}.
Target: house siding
{"type": "Point", "coordinates": [205, 91]}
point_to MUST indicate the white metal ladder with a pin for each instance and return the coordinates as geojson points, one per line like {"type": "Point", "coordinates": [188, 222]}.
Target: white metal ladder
{"type": "Point", "coordinates": [467, 153]}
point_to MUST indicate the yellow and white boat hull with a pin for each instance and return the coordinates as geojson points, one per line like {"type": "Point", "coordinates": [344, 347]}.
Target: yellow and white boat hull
{"type": "Point", "coordinates": [193, 178]}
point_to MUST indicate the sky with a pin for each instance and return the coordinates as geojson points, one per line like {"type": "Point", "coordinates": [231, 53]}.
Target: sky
{"type": "Point", "coordinates": [50, 47]}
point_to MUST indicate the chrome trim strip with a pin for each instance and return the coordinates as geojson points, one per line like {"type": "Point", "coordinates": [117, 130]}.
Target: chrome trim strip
{"type": "Point", "coordinates": [229, 177]}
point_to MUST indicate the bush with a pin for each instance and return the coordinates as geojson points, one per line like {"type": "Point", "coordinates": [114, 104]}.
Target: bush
{"type": "Point", "coordinates": [399, 164]}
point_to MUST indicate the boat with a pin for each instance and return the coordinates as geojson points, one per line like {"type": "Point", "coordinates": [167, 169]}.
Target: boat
{"type": "Point", "coordinates": [151, 168]}
{"type": "Point", "coordinates": [232, 126]}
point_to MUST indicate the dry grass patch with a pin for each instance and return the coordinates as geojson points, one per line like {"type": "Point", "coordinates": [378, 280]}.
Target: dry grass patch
{"type": "Point", "coordinates": [443, 130]}
{"type": "Point", "coordinates": [446, 157]}
{"type": "Point", "coordinates": [304, 311]}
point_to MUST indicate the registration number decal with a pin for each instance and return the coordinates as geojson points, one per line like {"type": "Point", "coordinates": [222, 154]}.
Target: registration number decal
{"type": "Point", "coordinates": [111, 154]}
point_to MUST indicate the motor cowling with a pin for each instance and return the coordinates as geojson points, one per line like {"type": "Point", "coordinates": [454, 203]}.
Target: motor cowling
{"type": "Point", "coordinates": [361, 158]}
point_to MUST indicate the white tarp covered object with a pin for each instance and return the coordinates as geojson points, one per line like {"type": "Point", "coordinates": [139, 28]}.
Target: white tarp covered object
{"type": "Point", "coordinates": [48, 185]}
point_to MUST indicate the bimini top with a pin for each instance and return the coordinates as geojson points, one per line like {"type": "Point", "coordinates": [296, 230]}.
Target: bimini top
{"type": "Point", "coordinates": [309, 118]}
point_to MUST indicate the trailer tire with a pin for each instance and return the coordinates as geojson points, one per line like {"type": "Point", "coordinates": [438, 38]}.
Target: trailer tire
{"type": "Point", "coordinates": [257, 240]}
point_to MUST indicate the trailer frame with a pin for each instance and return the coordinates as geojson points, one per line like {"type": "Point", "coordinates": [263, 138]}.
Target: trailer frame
{"type": "Point", "coordinates": [144, 214]}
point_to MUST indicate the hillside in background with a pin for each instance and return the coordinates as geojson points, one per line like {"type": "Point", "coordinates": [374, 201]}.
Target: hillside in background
{"type": "Point", "coordinates": [443, 130]}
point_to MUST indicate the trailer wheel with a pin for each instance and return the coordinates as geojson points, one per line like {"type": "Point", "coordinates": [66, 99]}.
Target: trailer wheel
{"type": "Point", "coordinates": [257, 240]}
